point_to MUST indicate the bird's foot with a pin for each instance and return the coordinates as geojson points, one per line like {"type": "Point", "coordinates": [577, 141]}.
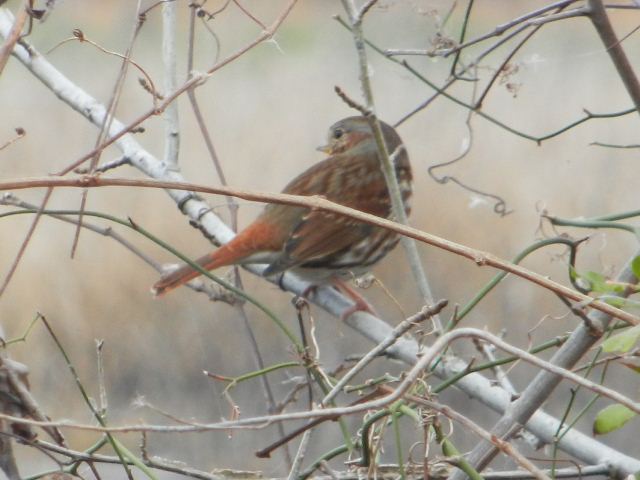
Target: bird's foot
{"type": "Point", "coordinates": [359, 303]}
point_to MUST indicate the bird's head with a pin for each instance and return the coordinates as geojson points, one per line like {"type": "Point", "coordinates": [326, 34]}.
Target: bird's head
{"type": "Point", "coordinates": [352, 131]}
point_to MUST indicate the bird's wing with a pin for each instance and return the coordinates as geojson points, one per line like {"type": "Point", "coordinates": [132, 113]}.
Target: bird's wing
{"type": "Point", "coordinates": [353, 180]}
{"type": "Point", "coordinates": [319, 234]}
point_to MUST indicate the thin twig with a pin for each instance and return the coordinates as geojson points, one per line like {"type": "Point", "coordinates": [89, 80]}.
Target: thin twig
{"type": "Point", "coordinates": [90, 457]}
{"type": "Point", "coordinates": [402, 328]}
{"type": "Point", "coordinates": [299, 457]}
{"type": "Point", "coordinates": [170, 114]}
{"type": "Point", "coordinates": [147, 82]}
{"type": "Point", "coordinates": [105, 126]}
{"type": "Point", "coordinates": [500, 29]}
{"type": "Point", "coordinates": [14, 34]}
{"type": "Point", "coordinates": [479, 257]}
{"type": "Point", "coordinates": [20, 133]}
{"type": "Point", "coordinates": [602, 24]}
{"type": "Point", "coordinates": [396, 394]}
{"type": "Point", "coordinates": [9, 199]}
{"type": "Point", "coordinates": [194, 81]}
{"type": "Point", "coordinates": [504, 446]}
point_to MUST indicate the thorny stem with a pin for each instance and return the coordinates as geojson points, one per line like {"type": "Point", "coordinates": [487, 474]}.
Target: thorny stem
{"type": "Point", "coordinates": [480, 258]}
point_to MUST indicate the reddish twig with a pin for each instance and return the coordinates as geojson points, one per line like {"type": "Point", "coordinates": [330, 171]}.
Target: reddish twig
{"type": "Point", "coordinates": [479, 257]}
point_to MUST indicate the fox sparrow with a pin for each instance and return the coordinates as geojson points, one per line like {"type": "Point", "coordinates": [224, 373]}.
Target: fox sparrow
{"type": "Point", "coordinates": [321, 246]}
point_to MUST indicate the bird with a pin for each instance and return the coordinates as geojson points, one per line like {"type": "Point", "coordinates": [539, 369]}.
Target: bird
{"type": "Point", "coordinates": [324, 247]}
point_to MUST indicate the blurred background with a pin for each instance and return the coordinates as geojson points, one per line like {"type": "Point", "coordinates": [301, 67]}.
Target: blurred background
{"type": "Point", "coordinates": [267, 111]}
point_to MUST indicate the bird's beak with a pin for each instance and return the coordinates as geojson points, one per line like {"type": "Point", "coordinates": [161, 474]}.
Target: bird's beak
{"type": "Point", "coordinates": [324, 148]}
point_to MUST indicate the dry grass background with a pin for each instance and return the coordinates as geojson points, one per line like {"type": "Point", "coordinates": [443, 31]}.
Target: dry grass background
{"type": "Point", "coordinates": [267, 111]}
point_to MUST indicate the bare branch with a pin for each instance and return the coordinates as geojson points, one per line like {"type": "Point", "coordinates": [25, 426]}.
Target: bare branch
{"type": "Point", "coordinates": [603, 26]}
{"type": "Point", "coordinates": [170, 115]}
{"type": "Point", "coordinates": [14, 34]}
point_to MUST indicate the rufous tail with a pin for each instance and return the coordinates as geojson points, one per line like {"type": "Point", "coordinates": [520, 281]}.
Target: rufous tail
{"type": "Point", "coordinates": [258, 236]}
{"type": "Point", "coordinates": [186, 273]}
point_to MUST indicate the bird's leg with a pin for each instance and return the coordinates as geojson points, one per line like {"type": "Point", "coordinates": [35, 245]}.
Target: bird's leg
{"type": "Point", "coordinates": [360, 304]}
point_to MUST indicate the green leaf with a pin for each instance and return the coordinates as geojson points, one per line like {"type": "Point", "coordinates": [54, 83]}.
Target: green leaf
{"type": "Point", "coordinates": [600, 284]}
{"type": "Point", "coordinates": [618, 302]}
{"type": "Point", "coordinates": [623, 341]}
{"type": "Point", "coordinates": [596, 280]}
{"type": "Point", "coordinates": [611, 418]}
{"type": "Point", "coordinates": [635, 266]}
{"type": "Point", "coordinates": [595, 277]}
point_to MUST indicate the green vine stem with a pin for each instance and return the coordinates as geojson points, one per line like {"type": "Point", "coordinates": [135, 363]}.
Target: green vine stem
{"type": "Point", "coordinates": [500, 276]}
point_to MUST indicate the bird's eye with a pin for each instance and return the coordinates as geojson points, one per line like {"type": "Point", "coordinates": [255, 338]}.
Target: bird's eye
{"type": "Point", "coordinates": [338, 132]}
